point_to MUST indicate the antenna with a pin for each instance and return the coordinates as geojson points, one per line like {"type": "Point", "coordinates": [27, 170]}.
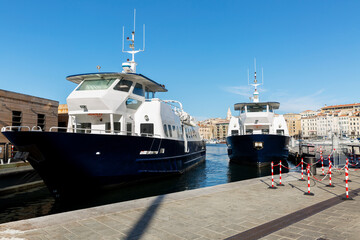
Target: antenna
{"type": "Point", "coordinates": [248, 77]}
{"type": "Point", "coordinates": [131, 65]}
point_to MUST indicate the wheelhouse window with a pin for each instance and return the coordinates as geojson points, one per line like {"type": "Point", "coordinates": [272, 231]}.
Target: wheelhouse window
{"type": "Point", "coordinates": [138, 90]}
{"type": "Point", "coordinates": [41, 121]}
{"type": "Point", "coordinates": [256, 108]}
{"type": "Point", "coordinates": [123, 85]}
{"type": "Point", "coordinates": [147, 128]}
{"type": "Point", "coordinates": [133, 103]}
{"type": "Point", "coordinates": [97, 84]}
{"type": "Point", "coordinates": [265, 131]}
{"type": "Point", "coordinates": [16, 118]}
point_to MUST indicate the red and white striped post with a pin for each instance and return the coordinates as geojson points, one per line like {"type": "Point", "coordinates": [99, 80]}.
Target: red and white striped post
{"type": "Point", "coordinates": [322, 163]}
{"type": "Point", "coordinates": [308, 173]}
{"type": "Point", "coordinates": [302, 170]}
{"type": "Point", "coordinates": [346, 181]}
{"type": "Point", "coordinates": [272, 176]}
{"type": "Point", "coordinates": [280, 184]}
{"type": "Point", "coordinates": [347, 166]}
{"type": "Point", "coordinates": [330, 185]}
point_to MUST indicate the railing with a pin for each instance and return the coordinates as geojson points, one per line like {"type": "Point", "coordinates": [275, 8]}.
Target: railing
{"type": "Point", "coordinates": [79, 130]}
{"type": "Point", "coordinates": [10, 128]}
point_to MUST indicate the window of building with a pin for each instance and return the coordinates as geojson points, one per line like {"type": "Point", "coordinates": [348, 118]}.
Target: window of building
{"type": "Point", "coordinates": [147, 128]}
{"type": "Point", "coordinates": [138, 89]}
{"type": "Point", "coordinates": [41, 121]}
{"type": "Point", "coordinates": [98, 84]}
{"type": "Point", "coordinates": [123, 85]}
{"type": "Point", "coordinates": [16, 118]}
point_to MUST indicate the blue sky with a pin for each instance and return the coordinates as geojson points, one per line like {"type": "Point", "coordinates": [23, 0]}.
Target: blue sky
{"type": "Point", "coordinates": [201, 50]}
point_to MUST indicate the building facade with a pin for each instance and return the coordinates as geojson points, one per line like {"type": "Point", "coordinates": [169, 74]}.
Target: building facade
{"type": "Point", "coordinates": [18, 109]}
{"type": "Point", "coordinates": [293, 122]}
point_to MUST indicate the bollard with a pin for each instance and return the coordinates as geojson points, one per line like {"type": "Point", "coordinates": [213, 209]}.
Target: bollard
{"type": "Point", "coordinates": [280, 184]}
{"type": "Point", "coordinates": [272, 176]}
{"type": "Point", "coordinates": [302, 170]}
{"type": "Point", "coordinates": [330, 164]}
{"type": "Point", "coordinates": [347, 166]}
{"type": "Point", "coordinates": [322, 165]}
{"type": "Point", "coordinates": [346, 182]}
{"type": "Point", "coordinates": [308, 173]}
{"type": "Point", "coordinates": [311, 162]}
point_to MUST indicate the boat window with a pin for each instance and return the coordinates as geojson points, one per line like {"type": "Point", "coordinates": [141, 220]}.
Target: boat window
{"type": "Point", "coordinates": [147, 128]}
{"type": "Point", "coordinates": [174, 131]}
{"type": "Point", "coordinates": [256, 108]}
{"type": "Point", "coordinates": [84, 128]}
{"type": "Point", "coordinates": [265, 131]}
{"type": "Point", "coordinates": [98, 84]}
{"type": "Point", "coordinates": [249, 131]}
{"type": "Point", "coordinates": [243, 109]}
{"type": "Point", "coordinates": [123, 85]}
{"type": "Point", "coordinates": [280, 132]}
{"type": "Point", "coordinates": [170, 132]}
{"type": "Point", "coordinates": [138, 90]}
{"type": "Point", "coordinates": [270, 109]}
{"type": "Point", "coordinates": [133, 103]}
{"type": "Point", "coordinates": [128, 129]}
{"type": "Point", "coordinates": [117, 127]}
{"type": "Point", "coordinates": [234, 132]}
{"type": "Point", "coordinates": [165, 130]}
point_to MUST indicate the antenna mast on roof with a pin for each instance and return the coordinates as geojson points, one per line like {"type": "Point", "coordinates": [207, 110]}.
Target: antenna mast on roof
{"type": "Point", "coordinates": [130, 66]}
{"type": "Point", "coordinates": [255, 84]}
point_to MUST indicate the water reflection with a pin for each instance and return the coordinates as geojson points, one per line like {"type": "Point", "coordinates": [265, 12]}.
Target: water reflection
{"type": "Point", "coordinates": [216, 170]}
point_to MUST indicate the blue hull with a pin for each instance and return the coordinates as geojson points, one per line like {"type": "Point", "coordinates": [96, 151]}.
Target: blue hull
{"type": "Point", "coordinates": [258, 150]}
{"type": "Point", "coordinates": [76, 162]}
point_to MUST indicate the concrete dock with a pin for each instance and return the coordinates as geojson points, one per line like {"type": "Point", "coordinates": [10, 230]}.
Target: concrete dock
{"type": "Point", "coordinates": [240, 210]}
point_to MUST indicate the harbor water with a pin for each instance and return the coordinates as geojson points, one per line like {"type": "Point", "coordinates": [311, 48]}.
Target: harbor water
{"type": "Point", "coordinates": [214, 171]}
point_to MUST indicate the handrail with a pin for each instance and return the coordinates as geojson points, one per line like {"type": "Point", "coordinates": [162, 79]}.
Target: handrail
{"type": "Point", "coordinates": [9, 128]}
{"type": "Point", "coordinates": [36, 128]}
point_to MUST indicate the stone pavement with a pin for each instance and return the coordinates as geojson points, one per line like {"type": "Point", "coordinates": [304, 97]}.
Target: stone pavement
{"type": "Point", "coordinates": [217, 212]}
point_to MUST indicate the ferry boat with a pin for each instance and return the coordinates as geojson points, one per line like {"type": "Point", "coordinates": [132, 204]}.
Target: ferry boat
{"type": "Point", "coordinates": [117, 132]}
{"type": "Point", "coordinates": [257, 136]}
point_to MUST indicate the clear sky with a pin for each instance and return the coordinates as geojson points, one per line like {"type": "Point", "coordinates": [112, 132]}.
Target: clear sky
{"type": "Point", "coordinates": [200, 50]}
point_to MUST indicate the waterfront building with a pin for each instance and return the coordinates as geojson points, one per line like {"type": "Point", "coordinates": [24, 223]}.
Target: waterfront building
{"type": "Point", "coordinates": [18, 109]}
{"type": "Point", "coordinates": [309, 126]}
{"type": "Point", "coordinates": [214, 128]}
{"type": "Point", "coordinates": [293, 122]}
{"type": "Point", "coordinates": [353, 107]}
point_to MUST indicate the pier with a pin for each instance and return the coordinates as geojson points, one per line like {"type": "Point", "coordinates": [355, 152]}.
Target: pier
{"type": "Point", "coordinates": [246, 209]}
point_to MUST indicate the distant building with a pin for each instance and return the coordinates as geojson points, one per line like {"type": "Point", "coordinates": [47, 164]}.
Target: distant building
{"type": "Point", "coordinates": [18, 109]}
{"type": "Point", "coordinates": [215, 128]}
{"type": "Point", "coordinates": [293, 121]}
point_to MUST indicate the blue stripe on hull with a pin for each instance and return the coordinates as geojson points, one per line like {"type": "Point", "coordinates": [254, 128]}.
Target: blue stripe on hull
{"type": "Point", "coordinates": [241, 149]}
{"type": "Point", "coordinates": [75, 162]}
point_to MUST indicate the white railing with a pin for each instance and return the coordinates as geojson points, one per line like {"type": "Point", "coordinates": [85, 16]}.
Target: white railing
{"type": "Point", "coordinates": [10, 128]}
{"type": "Point", "coordinates": [79, 130]}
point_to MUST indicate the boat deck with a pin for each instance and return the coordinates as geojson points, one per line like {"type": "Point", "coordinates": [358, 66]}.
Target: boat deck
{"type": "Point", "coordinates": [240, 210]}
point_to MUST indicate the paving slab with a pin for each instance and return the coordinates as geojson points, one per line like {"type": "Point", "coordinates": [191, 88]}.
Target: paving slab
{"type": "Point", "coordinates": [229, 211]}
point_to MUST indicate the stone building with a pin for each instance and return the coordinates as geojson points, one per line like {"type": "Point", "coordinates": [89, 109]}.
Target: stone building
{"type": "Point", "coordinates": [18, 109]}
{"type": "Point", "coordinates": [293, 122]}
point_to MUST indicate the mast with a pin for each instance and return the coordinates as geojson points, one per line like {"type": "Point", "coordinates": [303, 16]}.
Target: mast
{"type": "Point", "coordinates": [255, 84]}
{"type": "Point", "coordinates": [130, 66]}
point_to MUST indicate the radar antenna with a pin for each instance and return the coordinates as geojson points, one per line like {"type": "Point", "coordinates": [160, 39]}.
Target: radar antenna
{"type": "Point", "coordinates": [130, 66]}
{"type": "Point", "coordinates": [255, 84]}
